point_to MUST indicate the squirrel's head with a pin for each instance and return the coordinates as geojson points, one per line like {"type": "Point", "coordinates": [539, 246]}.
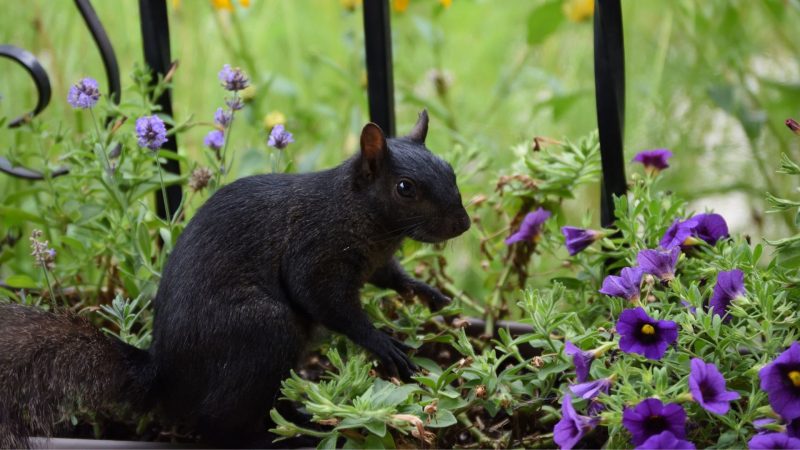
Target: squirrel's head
{"type": "Point", "coordinates": [414, 190]}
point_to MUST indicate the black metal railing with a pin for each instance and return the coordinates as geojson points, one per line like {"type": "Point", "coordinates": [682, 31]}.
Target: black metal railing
{"type": "Point", "coordinates": [609, 60]}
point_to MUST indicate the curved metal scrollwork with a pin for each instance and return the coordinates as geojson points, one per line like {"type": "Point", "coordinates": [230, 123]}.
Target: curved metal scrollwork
{"type": "Point", "coordinates": [42, 81]}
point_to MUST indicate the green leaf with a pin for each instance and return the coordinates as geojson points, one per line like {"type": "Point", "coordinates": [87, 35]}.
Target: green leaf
{"type": "Point", "coordinates": [21, 282]}
{"type": "Point", "coordinates": [19, 216]}
{"type": "Point", "coordinates": [377, 427]}
{"type": "Point", "coordinates": [544, 21]}
{"type": "Point", "coordinates": [442, 419]}
{"type": "Point", "coordinates": [328, 443]}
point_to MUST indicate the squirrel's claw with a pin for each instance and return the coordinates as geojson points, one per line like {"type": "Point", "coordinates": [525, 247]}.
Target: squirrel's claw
{"type": "Point", "coordinates": [432, 296]}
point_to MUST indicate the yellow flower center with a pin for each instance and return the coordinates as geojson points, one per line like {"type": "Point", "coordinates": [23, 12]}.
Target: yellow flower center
{"type": "Point", "coordinates": [794, 375]}
{"type": "Point", "coordinates": [648, 329]}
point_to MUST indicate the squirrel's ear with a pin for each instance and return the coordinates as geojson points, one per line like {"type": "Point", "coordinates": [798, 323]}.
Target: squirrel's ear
{"type": "Point", "coordinates": [420, 130]}
{"type": "Point", "coordinates": [373, 149]}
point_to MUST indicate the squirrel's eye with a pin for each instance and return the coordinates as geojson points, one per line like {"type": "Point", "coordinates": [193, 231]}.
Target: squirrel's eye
{"type": "Point", "coordinates": [406, 188]}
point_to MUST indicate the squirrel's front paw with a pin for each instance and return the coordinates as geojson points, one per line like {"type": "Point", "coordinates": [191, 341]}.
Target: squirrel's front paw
{"type": "Point", "coordinates": [394, 359]}
{"type": "Point", "coordinates": [430, 295]}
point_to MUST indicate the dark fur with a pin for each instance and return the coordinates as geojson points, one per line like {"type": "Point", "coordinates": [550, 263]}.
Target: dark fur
{"type": "Point", "coordinates": [263, 262]}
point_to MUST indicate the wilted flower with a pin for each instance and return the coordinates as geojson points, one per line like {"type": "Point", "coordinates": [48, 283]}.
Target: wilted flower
{"type": "Point", "coordinates": [84, 94]}
{"type": "Point", "coordinates": [215, 139]}
{"type": "Point", "coordinates": [591, 389]}
{"type": "Point", "coordinates": [781, 381]}
{"type": "Point", "coordinates": [708, 387]}
{"type": "Point", "coordinates": [223, 118]}
{"type": "Point", "coordinates": [200, 178]}
{"type": "Point", "coordinates": [771, 441]}
{"type": "Point", "coordinates": [151, 132]}
{"type": "Point", "coordinates": [658, 263]}
{"type": "Point", "coordinates": [42, 254]}
{"type": "Point", "coordinates": [626, 285]}
{"type": "Point", "coordinates": [582, 360]}
{"type": "Point", "coordinates": [233, 79]}
{"type": "Point", "coordinates": [572, 426]}
{"type": "Point", "coordinates": [641, 334]}
{"type": "Point", "coordinates": [730, 285]}
{"type": "Point", "coordinates": [279, 137]}
{"type": "Point", "coordinates": [654, 161]}
{"type": "Point", "coordinates": [651, 417]}
{"type": "Point", "coordinates": [665, 440]}
{"type": "Point", "coordinates": [794, 126]}
{"type": "Point", "coordinates": [578, 239]}
{"type": "Point", "coordinates": [530, 228]}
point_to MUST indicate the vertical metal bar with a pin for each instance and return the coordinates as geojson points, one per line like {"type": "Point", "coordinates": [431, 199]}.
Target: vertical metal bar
{"type": "Point", "coordinates": [609, 78]}
{"type": "Point", "coordinates": [155, 40]}
{"type": "Point", "coordinates": [378, 45]}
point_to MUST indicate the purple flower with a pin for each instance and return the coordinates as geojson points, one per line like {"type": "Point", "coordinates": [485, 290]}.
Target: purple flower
{"type": "Point", "coordinates": [84, 94]}
{"type": "Point", "coordinates": [151, 132]}
{"type": "Point", "coordinates": [582, 360]}
{"type": "Point", "coordinates": [223, 118]}
{"type": "Point", "coordinates": [578, 239]}
{"type": "Point", "coordinates": [641, 334]}
{"type": "Point", "coordinates": [233, 79]}
{"type": "Point", "coordinates": [234, 103]}
{"type": "Point", "coordinates": [626, 285]}
{"type": "Point", "coordinates": [678, 233]}
{"type": "Point", "coordinates": [781, 381]}
{"type": "Point", "coordinates": [658, 263]}
{"type": "Point", "coordinates": [572, 426]}
{"type": "Point", "coordinates": [710, 228]}
{"type": "Point", "coordinates": [793, 428]}
{"type": "Point", "coordinates": [770, 441]}
{"type": "Point", "coordinates": [708, 387]}
{"type": "Point", "coordinates": [215, 139]}
{"type": "Point", "coordinates": [651, 417]}
{"type": "Point", "coordinates": [665, 440]}
{"type": "Point", "coordinates": [729, 285]}
{"type": "Point", "coordinates": [654, 160]}
{"type": "Point", "coordinates": [530, 228]}
{"type": "Point", "coordinates": [591, 389]}
{"type": "Point", "coordinates": [279, 137]}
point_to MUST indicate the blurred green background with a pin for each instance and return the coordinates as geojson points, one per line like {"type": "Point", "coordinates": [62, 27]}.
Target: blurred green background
{"type": "Point", "coordinates": [711, 80]}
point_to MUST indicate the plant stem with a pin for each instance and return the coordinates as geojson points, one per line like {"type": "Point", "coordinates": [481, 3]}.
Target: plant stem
{"type": "Point", "coordinates": [163, 191]}
{"type": "Point", "coordinates": [494, 301]}
{"type": "Point", "coordinates": [100, 141]}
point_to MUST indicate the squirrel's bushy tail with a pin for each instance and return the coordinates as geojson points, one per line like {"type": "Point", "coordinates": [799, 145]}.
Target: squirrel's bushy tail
{"type": "Point", "coordinates": [51, 362]}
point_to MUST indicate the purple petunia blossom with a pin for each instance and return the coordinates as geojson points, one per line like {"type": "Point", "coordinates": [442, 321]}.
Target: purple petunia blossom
{"type": "Point", "coordinates": [233, 79]}
{"type": "Point", "coordinates": [708, 387]}
{"type": "Point", "coordinates": [654, 160]}
{"type": "Point", "coordinates": [530, 228]}
{"type": "Point", "coordinates": [223, 118]}
{"type": "Point", "coordinates": [771, 441]}
{"type": "Point", "coordinates": [730, 285]}
{"type": "Point", "coordinates": [710, 228]}
{"type": "Point", "coordinates": [665, 440]}
{"type": "Point", "coordinates": [582, 360]}
{"type": "Point", "coordinates": [84, 94]}
{"type": "Point", "coordinates": [572, 426]}
{"type": "Point", "coordinates": [577, 239]}
{"type": "Point", "coordinates": [780, 379]}
{"type": "Point", "coordinates": [658, 263]}
{"type": "Point", "coordinates": [641, 334]}
{"type": "Point", "coordinates": [279, 137]}
{"type": "Point", "coordinates": [591, 389]}
{"type": "Point", "coordinates": [707, 227]}
{"type": "Point", "coordinates": [215, 139]}
{"type": "Point", "coordinates": [151, 132]}
{"type": "Point", "coordinates": [651, 417]}
{"type": "Point", "coordinates": [626, 285]}
{"type": "Point", "coordinates": [793, 428]}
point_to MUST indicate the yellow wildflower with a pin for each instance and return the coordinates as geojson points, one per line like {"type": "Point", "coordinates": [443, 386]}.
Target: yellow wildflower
{"type": "Point", "coordinates": [227, 5]}
{"type": "Point", "coordinates": [248, 93]}
{"type": "Point", "coordinates": [400, 5]}
{"type": "Point", "coordinates": [274, 118]}
{"type": "Point", "coordinates": [446, 3]}
{"type": "Point", "coordinates": [578, 10]}
{"type": "Point", "coordinates": [351, 5]}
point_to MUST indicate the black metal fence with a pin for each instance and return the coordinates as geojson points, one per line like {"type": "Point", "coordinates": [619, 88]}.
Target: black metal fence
{"type": "Point", "coordinates": [609, 72]}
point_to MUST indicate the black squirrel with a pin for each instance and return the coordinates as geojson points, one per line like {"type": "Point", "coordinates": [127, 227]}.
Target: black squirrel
{"type": "Point", "coordinates": [263, 261]}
